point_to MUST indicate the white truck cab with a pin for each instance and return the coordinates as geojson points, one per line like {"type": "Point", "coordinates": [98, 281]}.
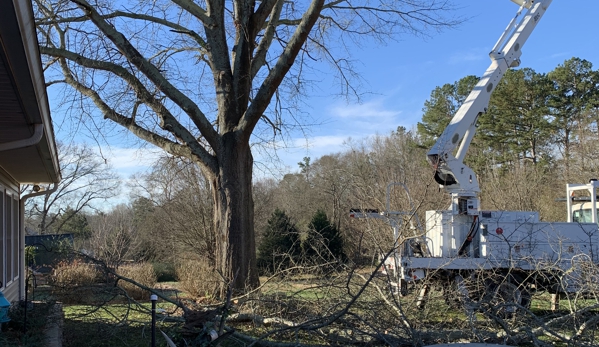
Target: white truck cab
{"type": "Point", "coordinates": [582, 202]}
{"type": "Point", "coordinates": [582, 213]}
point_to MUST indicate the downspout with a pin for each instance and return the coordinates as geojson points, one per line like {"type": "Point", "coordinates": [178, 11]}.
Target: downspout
{"type": "Point", "coordinates": [22, 201]}
{"type": "Point", "coordinates": [33, 140]}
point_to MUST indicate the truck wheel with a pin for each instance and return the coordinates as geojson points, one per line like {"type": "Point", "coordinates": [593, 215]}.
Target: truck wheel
{"type": "Point", "coordinates": [450, 296]}
{"type": "Point", "coordinates": [455, 292]}
{"type": "Point", "coordinates": [508, 295]}
{"type": "Point", "coordinates": [526, 297]}
{"type": "Point", "coordinates": [403, 287]}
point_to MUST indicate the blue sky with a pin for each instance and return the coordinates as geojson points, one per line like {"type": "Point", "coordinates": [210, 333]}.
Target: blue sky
{"type": "Point", "coordinates": [399, 76]}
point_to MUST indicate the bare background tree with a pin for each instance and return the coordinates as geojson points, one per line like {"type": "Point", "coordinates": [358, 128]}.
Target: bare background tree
{"type": "Point", "coordinates": [174, 207]}
{"type": "Point", "coordinates": [87, 180]}
{"type": "Point", "coordinates": [115, 237]}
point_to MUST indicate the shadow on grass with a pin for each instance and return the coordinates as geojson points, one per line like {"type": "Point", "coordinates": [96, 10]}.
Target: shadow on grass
{"type": "Point", "coordinates": [13, 332]}
{"type": "Point", "coordinates": [96, 333]}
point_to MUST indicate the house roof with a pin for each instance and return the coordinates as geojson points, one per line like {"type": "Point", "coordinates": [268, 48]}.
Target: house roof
{"type": "Point", "coordinates": [24, 110]}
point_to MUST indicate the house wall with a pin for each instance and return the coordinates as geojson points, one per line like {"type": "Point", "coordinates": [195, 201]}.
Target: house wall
{"type": "Point", "coordinates": [11, 264]}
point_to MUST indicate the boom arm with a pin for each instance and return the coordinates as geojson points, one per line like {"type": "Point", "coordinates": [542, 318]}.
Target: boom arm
{"type": "Point", "coordinates": [450, 171]}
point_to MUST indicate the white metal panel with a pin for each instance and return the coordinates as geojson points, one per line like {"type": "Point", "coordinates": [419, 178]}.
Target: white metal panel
{"type": "Point", "coordinates": [509, 216]}
{"type": "Point", "coordinates": [542, 242]}
{"type": "Point", "coordinates": [446, 232]}
{"type": "Point", "coordinates": [438, 232]}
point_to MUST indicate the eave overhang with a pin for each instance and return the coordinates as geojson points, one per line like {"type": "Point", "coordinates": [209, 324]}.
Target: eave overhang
{"type": "Point", "coordinates": [23, 100]}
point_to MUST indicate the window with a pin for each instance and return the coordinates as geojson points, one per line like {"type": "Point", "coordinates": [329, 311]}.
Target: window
{"type": "Point", "coordinates": [3, 276]}
{"type": "Point", "coordinates": [583, 216]}
{"type": "Point", "coordinates": [15, 238]}
{"type": "Point", "coordinates": [9, 237]}
{"type": "Point", "coordinates": [9, 240]}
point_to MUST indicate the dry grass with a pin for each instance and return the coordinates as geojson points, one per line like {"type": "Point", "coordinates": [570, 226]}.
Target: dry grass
{"type": "Point", "coordinates": [197, 278]}
{"type": "Point", "coordinates": [75, 273]}
{"type": "Point", "coordinates": [142, 273]}
{"type": "Point", "coordinates": [74, 281]}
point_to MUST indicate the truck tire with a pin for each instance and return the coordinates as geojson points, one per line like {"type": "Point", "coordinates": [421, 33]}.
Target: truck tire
{"type": "Point", "coordinates": [509, 295]}
{"type": "Point", "coordinates": [456, 292]}
{"type": "Point", "coordinates": [450, 295]}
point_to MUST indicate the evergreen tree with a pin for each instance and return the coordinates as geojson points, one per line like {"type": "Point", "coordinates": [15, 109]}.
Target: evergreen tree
{"type": "Point", "coordinates": [444, 102]}
{"type": "Point", "coordinates": [73, 222]}
{"type": "Point", "coordinates": [324, 241]}
{"type": "Point", "coordinates": [280, 244]}
{"type": "Point", "coordinates": [143, 208]}
{"type": "Point", "coordinates": [516, 130]}
{"type": "Point", "coordinates": [574, 101]}
{"type": "Point", "coordinates": [305, 167]}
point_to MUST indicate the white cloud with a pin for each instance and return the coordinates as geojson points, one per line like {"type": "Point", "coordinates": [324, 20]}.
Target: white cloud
{"type": "Point", "coordinates": [474, 54]}
{"type": "Point", "coordinates": [320, 142]}
{"type": "Point", "coordinates": [342, 122]}
{"type": "Point", "coordinates": [127, 161]}
{"type": "Point", "coordinates": [370, 109]}
{"type": "Point", "coordinates": [377, 116]}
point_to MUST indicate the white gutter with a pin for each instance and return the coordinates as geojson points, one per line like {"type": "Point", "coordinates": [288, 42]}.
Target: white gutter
{"type": "Point", "coordinates": [33, 140]}
{"type": "Point", "coordinates": [22, 271]}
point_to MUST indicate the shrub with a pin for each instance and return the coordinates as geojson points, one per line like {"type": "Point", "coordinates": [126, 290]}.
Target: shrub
{"type": "Point", "coordinates": [38, 315]}
{"type": "Point", "coordinates": [165, 272]}
{"type": "Point", "coordinates": [142, 273]}
{"type": "Point", "coordinates": [75, 273]}
{"type": "Point", "coordinates": [197, 278]}
{"type": "Point", "coordinates": [74, 281]}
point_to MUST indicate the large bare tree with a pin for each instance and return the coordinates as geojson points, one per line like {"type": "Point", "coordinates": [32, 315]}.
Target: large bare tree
{"type": "Point", "coordinates": [196, 78]}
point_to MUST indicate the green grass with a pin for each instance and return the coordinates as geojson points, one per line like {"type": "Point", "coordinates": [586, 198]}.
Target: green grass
{"type": "Point", "coordinates": [112, 325]}
{"type": "Point", "coordinates": [100, 333]}
{"type": "Point", "coordinates": [569, 302]}
{"type": "Point", "coordinates": [115, 312]}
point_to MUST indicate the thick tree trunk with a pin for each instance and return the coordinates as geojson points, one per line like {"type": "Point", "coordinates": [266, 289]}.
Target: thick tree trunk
{"type": "Point", "coordinates": [234, 216]}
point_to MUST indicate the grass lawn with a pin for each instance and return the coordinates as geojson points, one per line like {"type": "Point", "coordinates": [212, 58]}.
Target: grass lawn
{"type": "Point", "coordinates": [112, 325]}
{"type": "Point", "coordinates": [294, 299]}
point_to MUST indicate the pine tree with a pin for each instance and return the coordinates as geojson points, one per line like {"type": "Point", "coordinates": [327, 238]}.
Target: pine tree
{"type": "Point", "coordinates": [516, 129]}
{"type": "Point", "coordinates": [280, 244]}
{"type": "Point", "coordinates": [324, 242]}
{"type": "Point", "coordinates": [573, 105]}
{"type": "Point", "coordinates": [73, 222]}
{"type": "Point", "coordinates": [440, 108]}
